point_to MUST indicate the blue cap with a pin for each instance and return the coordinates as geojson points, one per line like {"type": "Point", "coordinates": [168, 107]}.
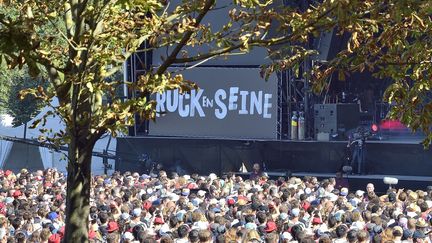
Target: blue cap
{"type": "Point", "coordinates": [52, 216]}
{"type": "Point", "coordinates": [315, 202]}
{"type": "Point", "coordinates": [157, 202]}
{"type": "Point", "coordinates": [195, 202]}
{"type": "Point", "coordinates": [216, 210]}
{"type": "Point", "coordinates": [407, 234]}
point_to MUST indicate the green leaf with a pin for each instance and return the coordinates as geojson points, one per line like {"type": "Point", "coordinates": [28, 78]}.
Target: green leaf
{"type": "Point", "coordinates": [89, 85]}
{"type": "Point", "coordinates": [35, 124]}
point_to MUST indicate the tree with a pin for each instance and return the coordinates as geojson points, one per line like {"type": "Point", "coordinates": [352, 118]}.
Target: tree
{"type": "Point", "coordinates": [5, 78]}
{"type": "Point", "coordinates": [22, 110]}
{"type": "Point", "coordinates": [81, 43]}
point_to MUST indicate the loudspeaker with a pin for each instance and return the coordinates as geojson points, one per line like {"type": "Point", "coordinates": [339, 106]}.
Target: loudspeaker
{"type": "Point", "coordinates": [336, 119]}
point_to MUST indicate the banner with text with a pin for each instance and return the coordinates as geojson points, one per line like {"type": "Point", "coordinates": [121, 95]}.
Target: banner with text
{"type": "Point", "coordinates": [230, 103]}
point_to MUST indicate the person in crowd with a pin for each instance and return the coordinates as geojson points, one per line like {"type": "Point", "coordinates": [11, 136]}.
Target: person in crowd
{"type": "Point", "coordinates": [130, 208]}
{"type": "Point", "coordinates": [256, 172]}
{"type": "Point", "coordinates": [370, 188]}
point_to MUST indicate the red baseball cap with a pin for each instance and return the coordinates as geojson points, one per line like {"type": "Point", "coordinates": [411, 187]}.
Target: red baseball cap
{"type": "Point", "coordinates": [316, 220]}
{"type": "Point", "coordinates": [147, 205]}
{"type": "Point", "coordinates": [305, 205]}
{"type": "Point", "coordinates": [112, 226]}
{"type": "Point", "coordinates": [17, 193]}
{"type": "Point", "coordinates": [231, 201]}
{"type": "Point", "coordinates": [158, 220]}
{"type": "Point", "coordinates": [270, 226]}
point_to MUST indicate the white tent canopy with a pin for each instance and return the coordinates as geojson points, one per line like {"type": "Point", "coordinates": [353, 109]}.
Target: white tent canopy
{"type": "Point", "coordinates": [49, 157]}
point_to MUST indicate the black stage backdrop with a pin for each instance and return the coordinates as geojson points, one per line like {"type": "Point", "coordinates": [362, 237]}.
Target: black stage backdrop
{"type": "Point", "coordinates": [204, 156]}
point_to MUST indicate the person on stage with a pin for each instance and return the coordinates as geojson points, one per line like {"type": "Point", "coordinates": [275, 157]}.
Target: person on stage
{"type": "Point", "coordinates": [357, 142]}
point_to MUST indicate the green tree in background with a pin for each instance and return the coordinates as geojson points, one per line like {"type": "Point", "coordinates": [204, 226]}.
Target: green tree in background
{"type": "Point", "coordinates": [22, 109]}
{"type": "Point", "coordinates": [5, 81]}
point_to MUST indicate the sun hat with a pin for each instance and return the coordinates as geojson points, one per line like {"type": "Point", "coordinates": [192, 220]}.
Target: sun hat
{"type": "Point", "coordinates": [421, 223]}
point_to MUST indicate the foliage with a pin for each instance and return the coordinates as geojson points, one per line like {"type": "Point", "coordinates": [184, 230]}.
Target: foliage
{"type": "Point", "coordinates": [5, 82]}
{"type": "Point", "coordinates": [22, 109]}
{"type": "Point", "coordinates": [87, 42]}
{"type": "Point", "coordinates": [80, 43]}
{"type": "Point", "coordinates": [393, 40]}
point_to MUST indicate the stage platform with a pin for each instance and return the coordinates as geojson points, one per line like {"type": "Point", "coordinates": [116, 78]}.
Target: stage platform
{"type": "Point", "coordinates": [403, 158]}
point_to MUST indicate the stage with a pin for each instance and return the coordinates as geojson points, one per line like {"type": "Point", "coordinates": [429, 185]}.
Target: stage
{"type": "Point", "coordinates": [402, 157]}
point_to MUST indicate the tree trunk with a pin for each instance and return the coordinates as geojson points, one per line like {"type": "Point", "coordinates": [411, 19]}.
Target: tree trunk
{"type": "Point", "coordinates": [78, 192]}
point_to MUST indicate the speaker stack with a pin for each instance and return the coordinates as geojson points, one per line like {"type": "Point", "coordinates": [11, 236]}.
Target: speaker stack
{"type": "Point", "coordinates": [335, 120]}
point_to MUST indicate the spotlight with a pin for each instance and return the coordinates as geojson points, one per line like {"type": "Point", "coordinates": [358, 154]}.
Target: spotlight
{"type": "Point", "coordinates": [390, 181]}
{"type": "Point", "coordinates": [374, 128]}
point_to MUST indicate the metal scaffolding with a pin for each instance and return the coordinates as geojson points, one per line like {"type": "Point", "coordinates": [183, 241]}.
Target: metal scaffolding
{"type": "Point", "coordinates": [137, 65]}
{"type": "Point", "coordinates": [299, 96]}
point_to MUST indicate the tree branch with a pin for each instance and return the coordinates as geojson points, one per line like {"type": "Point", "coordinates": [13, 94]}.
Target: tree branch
{"type": "Point", "coordinates": [208, 55]}
{"type": "Point", "coordinates": [258, 42]}
{"type": "Point", "coordinates": [170, 60]}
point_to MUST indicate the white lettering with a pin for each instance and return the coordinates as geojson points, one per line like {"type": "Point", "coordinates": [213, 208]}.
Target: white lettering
{"type": "Point", "coordinates": [160, 103]}
{"type": "Point", "coordinates": [256, 102]}
{"type": "Point", "coordinates": [244, 102]}
{"type": "Point", "coordinates": [195, 104]}
{"type": "Point", "coordinates": [172, 100]}
{"type": "Point", "coordinates": [183, 111]}
{"type": "Point", "coordinates": [243, 95]}
{"type": "Point", "coordinates": [267, 105]}
{"type": "Point", "coordinates": [207, 102]}
{"type": "Point", "coordinates": [222, 112]}
{"type": "Point", "coordinates": [232, 101]}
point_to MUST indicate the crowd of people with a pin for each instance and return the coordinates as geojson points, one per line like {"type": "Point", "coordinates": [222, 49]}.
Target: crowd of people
{"type": "Point", "coordinates": [164, 208]}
